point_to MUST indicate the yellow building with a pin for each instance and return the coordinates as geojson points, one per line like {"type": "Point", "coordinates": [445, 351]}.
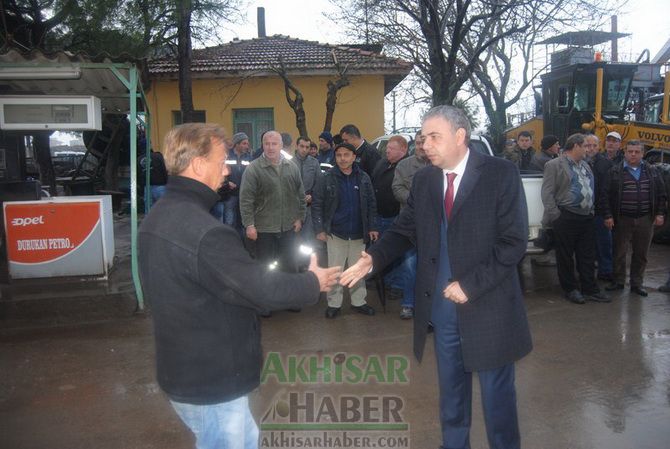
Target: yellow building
{"type": "Point", "coordinates": [237, 86]}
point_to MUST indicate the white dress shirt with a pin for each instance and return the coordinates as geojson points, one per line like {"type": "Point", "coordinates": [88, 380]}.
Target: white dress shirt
{"type": "Point", "coordinates": [459, 170]}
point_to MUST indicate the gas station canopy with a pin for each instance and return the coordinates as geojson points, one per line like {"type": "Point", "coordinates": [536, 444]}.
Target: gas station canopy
{"type": "Point", "coordinates": [64, 73]}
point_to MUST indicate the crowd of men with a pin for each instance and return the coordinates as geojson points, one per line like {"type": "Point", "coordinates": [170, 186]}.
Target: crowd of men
{"type": "Point", "coordinates": [596, 204]}
{"type": "Point", "coordinates": [336, 195]}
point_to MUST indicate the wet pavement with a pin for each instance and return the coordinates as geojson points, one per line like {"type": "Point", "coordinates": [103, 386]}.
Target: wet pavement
{"type": "Point", "coordinates": [76, 371]}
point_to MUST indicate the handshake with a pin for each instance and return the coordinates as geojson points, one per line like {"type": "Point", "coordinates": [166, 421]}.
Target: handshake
{"type": "Point", "coordinates": [328, 277]}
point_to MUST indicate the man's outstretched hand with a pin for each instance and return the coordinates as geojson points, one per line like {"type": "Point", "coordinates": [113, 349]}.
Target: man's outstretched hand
{"type": "Point", "coordinates": [357, 271]}
{"type": "Point", "coordinates": [327, 276]}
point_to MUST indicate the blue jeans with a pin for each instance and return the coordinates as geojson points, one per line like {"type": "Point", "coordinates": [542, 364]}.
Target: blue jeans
{"type": "Point", "coordinates": [604, 246]}
{"type": "Point", "coordinates": [156, 193]}
{"type": "Point", "coordinates": [409, 271]}
{"type": "Point", "coordinates": [394, 277]}
{"type": "Point", "coordinates": [231, 211]}
{"type": "Point", "coordinates": [219, 211]}
{"type": "Point", "coordinates": [228, 425]}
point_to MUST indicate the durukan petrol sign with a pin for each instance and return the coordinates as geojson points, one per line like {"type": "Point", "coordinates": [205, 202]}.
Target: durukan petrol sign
{"type": "Point", "coordinates": [57, 238]}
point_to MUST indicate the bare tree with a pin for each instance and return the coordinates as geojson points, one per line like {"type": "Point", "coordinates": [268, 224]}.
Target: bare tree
{"type": "Point", "coordinates": [184, 55]}
{"type": "Point", "coordinates": [293, 97]}
{"type": "Point", "coordinates": [334, 86]}
{"type": "Point", "coordinates": [432, 34]}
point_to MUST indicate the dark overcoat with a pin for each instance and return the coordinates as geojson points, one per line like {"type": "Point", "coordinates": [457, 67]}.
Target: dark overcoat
{"type": "Point", "coordinates": [487, 237]}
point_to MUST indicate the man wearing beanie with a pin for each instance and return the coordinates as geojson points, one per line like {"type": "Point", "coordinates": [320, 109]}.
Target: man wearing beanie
{"type": "Point", "coordinates": [550, 149]}
{"type": "Point", "coordinates": [326, 153]}
{"type": "Point", "coordinates": [238, 159]}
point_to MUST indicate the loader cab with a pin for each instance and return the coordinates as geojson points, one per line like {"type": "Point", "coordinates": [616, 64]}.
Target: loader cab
{"type": "Point", "coordinates": [569, 95]}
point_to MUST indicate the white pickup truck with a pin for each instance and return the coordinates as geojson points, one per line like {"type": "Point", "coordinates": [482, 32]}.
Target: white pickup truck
{"type": "Point", "coordinates": [532, 183]}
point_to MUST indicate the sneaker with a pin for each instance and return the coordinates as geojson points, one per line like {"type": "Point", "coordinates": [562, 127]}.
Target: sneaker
{"type": "Point", "coordinates": [332, 312]}
{"type": "Point", "coordinates": [406, 313]}
{"type": "Point", "coordinates": [597, 297]}
{"type": "Point", "coordinates": [614, 286]}
{"type": "Point", "coordinates": [365, 309]}
{"type": "Point", "coordinates": [576, 297]}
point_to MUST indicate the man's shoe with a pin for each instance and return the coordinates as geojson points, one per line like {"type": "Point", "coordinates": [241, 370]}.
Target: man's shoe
{"type": "Point", "coordinates": [614, 286]}
{"type": "Point", "coordinates": [265, 314]}
{"type": "Point", "coordinates": [639, 290]}
{"type": "Point", "coordinates": [294, 309]}
{"type": "Point", "coordinates": [364, 309]}
{"type": "Point", "coordinates": [406, 313]}
{"type": "Point", "coordinates": [606, 277]}
{"type": "Point", "coordinates": [665, 288]}
{"type": "Point", "coordinates": [332, 312]}
{"type": "Point", "coordinates": [597, 297]}
{"type": "Point", "coordinates": [576, 297]}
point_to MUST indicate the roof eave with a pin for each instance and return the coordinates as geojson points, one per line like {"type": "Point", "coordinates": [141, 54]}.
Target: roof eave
{"type": "Point", "coordinates": [400, 72]}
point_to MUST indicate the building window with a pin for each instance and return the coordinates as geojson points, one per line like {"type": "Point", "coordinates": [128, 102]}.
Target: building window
{"type": "Point", "coordinates": [198, 116]}
{"type": "Point", "coordinates": [253, 122]}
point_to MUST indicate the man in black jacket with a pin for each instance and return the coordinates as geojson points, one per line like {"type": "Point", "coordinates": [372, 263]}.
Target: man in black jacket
{"type": "Point", "coordinates": [205, 292]}
{"type": "Point", "coordinates": [366, 155]}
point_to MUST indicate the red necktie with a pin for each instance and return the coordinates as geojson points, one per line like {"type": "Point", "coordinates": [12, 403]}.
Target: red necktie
{"type": "Point", "coordinates": [449, 195]}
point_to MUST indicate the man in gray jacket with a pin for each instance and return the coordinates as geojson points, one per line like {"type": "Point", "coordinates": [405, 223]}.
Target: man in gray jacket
{"type": "Point", "coordinates": [272, 204]}
{"type": "Point", "coordinates": [310, 172]}
{"type": "Point", "coordinates": [568, 198]}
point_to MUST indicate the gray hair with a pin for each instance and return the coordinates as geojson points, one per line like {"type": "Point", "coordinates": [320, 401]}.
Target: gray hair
{"type": "Point", "coordinates": [592, 136]}
{"type": "Point", "coordinates": [454, 116]}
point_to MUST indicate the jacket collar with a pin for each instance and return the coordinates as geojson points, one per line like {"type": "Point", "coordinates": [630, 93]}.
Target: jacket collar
{"type": "Point", "coordinates": [193, 190]}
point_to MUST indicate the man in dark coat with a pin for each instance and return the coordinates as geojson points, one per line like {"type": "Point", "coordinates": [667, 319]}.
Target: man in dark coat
{"type": "Point", "coordinates": [467, 216]}
{"type": "Point", "coordinates": [205, 292]}
{"type": "Point", "coordinates": [366, 155]}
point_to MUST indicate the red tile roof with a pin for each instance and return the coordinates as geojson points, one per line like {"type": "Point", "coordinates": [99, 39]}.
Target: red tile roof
{"type": "Point", "coordinates": [257, 57]}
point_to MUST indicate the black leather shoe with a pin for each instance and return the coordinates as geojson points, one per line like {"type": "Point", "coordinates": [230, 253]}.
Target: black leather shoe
{"type": "Point", "coordinates": [364, 309]}
{"type": "Point", "coordinates": [638, 290]}
{"type": "Point", "coordinates": [613, 286]}
{"type": "Point", "coordinates": [597, 297]}
{"type": "Point", "coordinates": [266, 314]}
{"type": "Point", "coordinates": [576, 297]}
{"type": "Point", "coordinates": [294, 309]}
{"type": "Point", "coordinates": [332, 312]}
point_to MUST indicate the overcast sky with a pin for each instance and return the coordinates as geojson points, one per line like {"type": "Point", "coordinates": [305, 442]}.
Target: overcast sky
{"type": "Point", "coordinates": [648, 22]}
